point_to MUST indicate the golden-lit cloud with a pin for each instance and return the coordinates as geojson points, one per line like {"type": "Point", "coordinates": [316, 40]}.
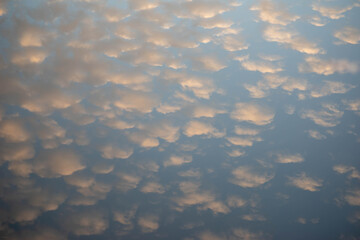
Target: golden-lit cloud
{"type": "Point", "coordinates": [248, 178]}
{"type": "Point", "coordinates": [194, 128]}
{"type": "Point", "coordinates": [333, 12]}
{"type": "Point", "coordinates": [292, 39]}
{"type": "Point", "coordinates": [328, 67]}
{"type": "Point", "coordinates": [287, 158]}
{"type": "Point", "coordinates": [304, 182]}
{"type": "Point", "coordinates": [253, 113]}
{"type": "Point", "coordinates": [274, 13]}
{"type": "Point", "coordinates": [349, 35]}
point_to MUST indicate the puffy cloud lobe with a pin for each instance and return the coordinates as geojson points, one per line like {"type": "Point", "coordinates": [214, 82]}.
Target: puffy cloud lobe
{"type": "Point", "coordinates": [304, 182]}
{"type": "Point", "coordinates": [13, 130]}
{"type": "Point", "coordinates": [295, 158]}
{"type": "Point", "coordinates": [333, 12]}
{"type": "Point", "coordinates": [260, 66]}
{"type": "Point", "coordinates": [194, 128]}
{"type": "Point", "coordinates": [253, 113]}
{"type": "Point", "coordinates": [353, 198]}
{"type": "Point", "coordinates": [149, 223]}
{"type": "Point", "coordinates": [208, 63]}
{"type": "Point", "coordinates": [316, 135]}
{"type": "Point", "coordinates": [152, 187]}
{"type": "Point", "coordinates": [328, 67]}
{"type": "Point", "coordinates": [57, 163]}
{"type": "Point", "coordinates": [274, 14]}
{"type": "Point", "coordinates": [327, 117]}
{"type": "Point", "coordinates": [85, 223]}
{"type": "Point", "coordinates": [353, 105]}
{"type": "Point", "coordinates": [18, 152]}
{"type": "Point", "coordinates": [274, 33]}
{"type": "Point", "coordinates": [331, 87]}
{"type": "Point", "coordinates": [177, 160]}
{"type": "Point", "coordinates": [248, 178]}
{"type": "Point", "coordinates": [110, 152]}
{"type": "Point", "coordinates": [348, 35]}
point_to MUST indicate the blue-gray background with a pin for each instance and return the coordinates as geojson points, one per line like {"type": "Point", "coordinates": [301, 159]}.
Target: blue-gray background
{"type": "Point", "coordinates": [189, 119]}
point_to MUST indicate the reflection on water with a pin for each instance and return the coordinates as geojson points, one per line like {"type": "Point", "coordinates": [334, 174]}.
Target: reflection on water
{"type": "Point", "coordinates": [179, 120]}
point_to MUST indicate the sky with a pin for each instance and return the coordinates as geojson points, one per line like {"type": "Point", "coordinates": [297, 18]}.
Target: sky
{"type": "Point", "coordinates": [179, 119]}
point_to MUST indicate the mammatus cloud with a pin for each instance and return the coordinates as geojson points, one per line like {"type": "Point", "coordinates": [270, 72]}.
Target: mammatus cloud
{"type": "Point", "coordinates": [331, 87]}
{"type": "Point", "coordinates": [85, 223]}
{"type": "Point", "coordinates": [57, 163]}
{"type": "Point", "coordinates": [353, 105]}
{"type": "Point", "coordinates": [353, 197]}
{"type": "Point", "coordinates": [328, 67]}
{"type": "Point", "coordinates": [248, 178]}
{"type": "Point", "coordinates": [252, 113]}
{"type": "Point", "coordinates": [148, 223]}
{"type": "Point", "coordinates": [304, 182]}
{"type": "Point", "coordinates": [194, 128]}
{"type": "Point", "coordinates": [284, 158]}
{"type": "Point", "coordinates": [333, 12]}
{"type": "Point", "coordinates": [292, 39]}
{"type": "Point", "coordinates": [328, 116]}
{"type": "Point", "coordinates": [274, 13]}
{"type": "Point", "coordinates": [177, 160]}
{"type": "Point", "coordinates": [349, 35]}
{"type": "Point", "coordinates": [316, 135]}
{"type": "Point", "coordinates": [343, 169]}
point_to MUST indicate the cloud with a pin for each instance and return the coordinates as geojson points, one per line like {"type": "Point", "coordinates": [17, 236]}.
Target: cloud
{"type": "Point", "coordinates": [248, 178]}
{"type": "Point", "coordinates": [206, 111]}
{"type": "Point", "coordinates": [243, 141]}
{"type": "Point", "coordinates": [102, 168]}
{"type": "Point", "coordinates": [253, 113]}
{"type": "Point", "coordinates": [333, 12]}
{"type": "Point", "coordinates": [57, 163]}
{"type": "Point", "coordinates": [13, 130]}
{"type": "Point", "coordinates": [177, 160]}
{"type": "Point", "coordinates": [149, 223]}
{"type": "Point", "coordinates": [328, 116]}
{"type": "Point", "coordinates": [3, 9]}
{"type": "Point", "coordinates": [232, 43]}
{"type": "Point", "coordinates": [85, 223]}
{"type": "Point", "coordinates": [328, 67]}
{"type": "Point", "coordinates": [279, 34]}
{"type": "Point", "coordinates": [39, 233]}
{"type": "Point", "coordinates": [348, 35]}
{"type": "Point", "coordinates": [253, 217]}
{"type": "Point", "coordinates": [18, 152]}
{"type": "Point", "coordinates": [235, 202]}
{"type": "Point", "coordinates": [331, 87]}
{"type": "Point", "coordinates": [261, 66]}
{"type": "Point", "coordinates": [246, 131]}
{"type": "Point", "coordinates": [286, 158]}
{"type": "Point", "coordinates": [29, 56]}
{"type": "Point", "coordinates": [202, 87]}
{"type": "Point", "coordinates": [161, 129]}
{"type": "Point", "coordinates": [208, 63]}
{"type": "Point", "coordinates": [316, 135]}
{"type": "Point", "coordinates": [342, 169]}
{"type": "Point", "coordinates": [166, 108]}
{"type": "Point", "coordinates": [143, 140]}
{"type": "Point", "coordinates": [153, 187]}
{"type": "Point", "coordinates": [353, 197]}
{"type": "Point", "coordinates": [215, 22]}
{"type": "Point", "coordinates": [110, 151]}
{"type": "Point", "coordinates": [304, 182]}
{"type": "Point", "coordinates": [274, 13]}
{"type": "Point", "coordinates": [200, 9]}
{"type": "Point", "coordinates": [195, 128]}
{"type": "Point", "coordinates": [353, 105]}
